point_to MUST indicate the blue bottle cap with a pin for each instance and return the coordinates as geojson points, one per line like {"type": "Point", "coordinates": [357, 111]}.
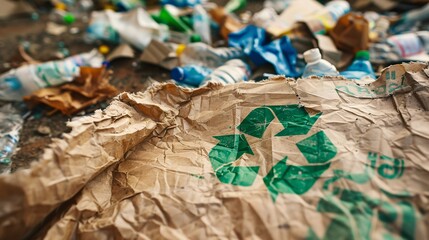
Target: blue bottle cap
{"type": "Point", "coordinates": [177, 74]}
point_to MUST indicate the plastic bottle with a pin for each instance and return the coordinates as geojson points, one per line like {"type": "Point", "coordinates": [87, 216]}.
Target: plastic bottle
{"type": "Point", "coordinates": [203, 54]}
{"type": "Point", "coordinates": [22, 81]}
{"type": "Point", "coordinates": [327, 18]}
{"type": "Point", "coordinates": [169, 16]}
{"type": "Point", "coordinates": [232, 72]}
{"type": "Point", "coordinates": [409, 44]}
{"type": "Point", "coordinates": [360, 67]}
{"type": "Point", "coordinates": [10, 127]}
{"type": "Point", "coordinates": [316, 66]}
{"type": "Point", "coordinates": [410, 19]}
{"type": "Point", "coordinates": [201, 23]}
{"type": "Point", "coordinates": [192, 75]}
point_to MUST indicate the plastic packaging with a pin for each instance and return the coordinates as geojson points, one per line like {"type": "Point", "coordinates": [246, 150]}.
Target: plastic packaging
{"type": "Point", "coordinates": [192, 75]}
{"type": "Point", "coordinates": [316, 66]}
{"type": "Point", "coordinates": [22, 81]}
{"type": "Point", "coordinates": [232, 72]}
{"type": "Point", "coordinates": [280, 52]}
{"type": "Point", "coordinates": [182, 3]}
{"type": "Point", "coordinates": [203, 54]}
{"type": "Point", "coordinates": [360, 67]}
{"type": "Point", "coordinates": [10, 127]}
{"type": "Point", "coordinates": [201, 23]}
{"type": "Point", "coordinates": [264, 17]}
{"type": "Point", "coordinates": [135, 27]}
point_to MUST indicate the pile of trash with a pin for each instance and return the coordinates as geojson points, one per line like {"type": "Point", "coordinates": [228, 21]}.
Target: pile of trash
{"type": "Point", "coordinates": [303, 119]}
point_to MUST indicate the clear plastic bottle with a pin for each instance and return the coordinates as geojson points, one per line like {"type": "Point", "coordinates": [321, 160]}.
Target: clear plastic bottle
{"type": "Point", "coordinates": [232, 72]}
{"type": "Point", "coordinates": [22, 81]}
{"type": "Point", "coordinates": [203, 54]}
{"type": "Point", "coordinates": [360, 68]}
{"type": "Point", "coordinates": [192, 75]}
{"type": "Point", "coordinates": [201, 22]}
{"type": "Point", "coordinates": [10, 127]}
{"type": "Point", "coordinates": [316, 66]}
{"type": "Point", "coordinates": [409, 44]}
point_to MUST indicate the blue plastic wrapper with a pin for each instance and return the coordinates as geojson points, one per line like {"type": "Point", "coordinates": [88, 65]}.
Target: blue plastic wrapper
{"type": "Point", "coordinates": [255, 44]}
{"type": "Point", "coordinates": [181, 3]}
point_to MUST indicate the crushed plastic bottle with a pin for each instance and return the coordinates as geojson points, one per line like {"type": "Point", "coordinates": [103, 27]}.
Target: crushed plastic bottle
{"type": "Point", "coordinates": [10, 127]}
{"type": "Point", "coordinates": [325, 19]}
{"type": "Point", "coordinates": [203, 54]}
{"type": "Point", "coordinates": [201, 23]}
{"type": "Point", "coordinates": [192, 75]}
{"type": "Point", "coordinates": [316, 66]}
{"type": "Point", "coordinates": [360, 68]}
{"type": "Point", "coordinates": [232, 71]}
{"type": "Point", "coordinates": [22, 81]}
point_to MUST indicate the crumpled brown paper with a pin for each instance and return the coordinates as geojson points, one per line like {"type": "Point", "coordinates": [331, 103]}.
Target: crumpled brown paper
{"type": "Point", "coordinates": [90, 87]}
{"type": "Point", "coordinates": [282, 159]}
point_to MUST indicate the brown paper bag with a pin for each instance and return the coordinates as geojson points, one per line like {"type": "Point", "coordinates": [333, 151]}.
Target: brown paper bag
{"type": "Point", "coordinates": [281, 159]}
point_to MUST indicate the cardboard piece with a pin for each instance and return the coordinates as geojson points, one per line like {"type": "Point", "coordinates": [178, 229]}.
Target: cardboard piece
{"type": "Point", "coordinates": [90, 87]}
{"type": "Point", "coordinates": [296, 11]}
{"type": "Point", "coordinates": [11, 8]}
{"type": "Point", "coordinates": [160, 54]}
{"type": "Point", "coordinates": [122, 51]}
{"type": "Point", "coordinates": [271, 160]}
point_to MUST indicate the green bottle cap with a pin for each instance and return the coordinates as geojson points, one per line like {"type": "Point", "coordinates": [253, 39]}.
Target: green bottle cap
{"type": "Point", "coordinates": [69, 18]}
{"type": "Point", "coordinates": [195, 38]}
{"type": "Point", "coordinates": [363, 54]}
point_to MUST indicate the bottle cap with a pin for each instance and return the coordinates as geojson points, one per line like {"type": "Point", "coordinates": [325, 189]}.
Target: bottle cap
{"type": "Point", "coordinates": [180, 49]}
{"type": "Point", "coordinates": [195, 38]}
{"type": "Point", "coordinates": [69, 18]}
{"type": "Point", "coordinates": [312, 55]}
{"type": "Point", "coordinates": [103, 49]}
{"type": "Point", "coordinates": [177, 74]}
{"type": "Point", "coordinates": [363, 54]}
{"type": "Point", "coordinates": [60, 6]}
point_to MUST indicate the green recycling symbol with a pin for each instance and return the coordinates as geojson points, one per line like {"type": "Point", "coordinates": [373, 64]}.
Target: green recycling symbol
{"type": "Point", "coordinates": [283, 177]}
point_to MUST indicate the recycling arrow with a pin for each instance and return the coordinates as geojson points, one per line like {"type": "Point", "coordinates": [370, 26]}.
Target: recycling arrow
{"type": "Point", "coordinates": [225, 153]}
{"type": "Point", "coordinates": [295, 120]}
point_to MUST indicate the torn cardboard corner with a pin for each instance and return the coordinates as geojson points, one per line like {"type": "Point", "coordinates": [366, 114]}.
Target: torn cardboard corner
{"type": "Point", "coordinates": [122, 51]}
{"type": "Point", "coordinates": [90, 87]}
{"type": "Point", "coordinates": [160, 54]}
{"type": "Point", "coordinates": [302, 159]}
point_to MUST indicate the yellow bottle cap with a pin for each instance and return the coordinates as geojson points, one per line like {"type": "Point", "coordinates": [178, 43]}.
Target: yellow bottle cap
{"type": "Point", "coordinates": [60, 6]}
{"type": "Point", "coordinates": [103, 49]}
{"type": "Point", "coordinates": [180, 49]}
{"type": "Point", "coordinates": [109, 7]}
